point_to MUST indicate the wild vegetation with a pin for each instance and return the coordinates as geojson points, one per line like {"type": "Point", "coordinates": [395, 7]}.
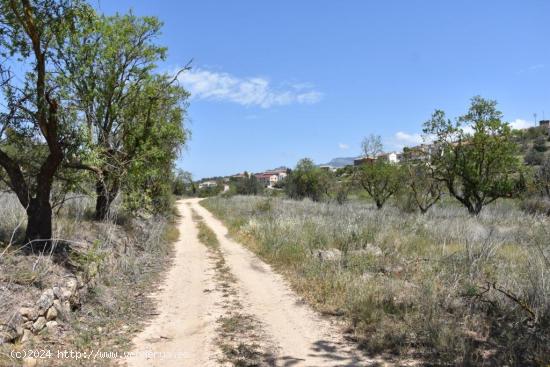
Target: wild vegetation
{"type": "Point", "coordinates": [445, 286]}
{"type": "Point", "coordinates": [121, 258]}
{"type": "Point", "coordinates": [444, 255]}
{"type": "Point", "coordinates": [84, 109]}
{"type": "Point", "coordinates": [89, 133]}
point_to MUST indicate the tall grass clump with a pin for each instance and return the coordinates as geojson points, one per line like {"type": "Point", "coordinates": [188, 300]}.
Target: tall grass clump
{"type": "Point", "coordinates": [450, 287]}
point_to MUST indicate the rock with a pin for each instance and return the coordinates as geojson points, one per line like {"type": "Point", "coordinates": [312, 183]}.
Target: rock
{"type": "Point", "coordinates": [373, 249]}
{"type": "Point", "coordinates": [328, 255]}
{"type": "Point", "coordinates": [39, 324]}
{"type": "Point", "coordinates": [16, 324]}
{"type": "Point", "coordinates": [51, 314]}
{"type": "Point", "coordinates": [71, 284]}
{"type": "Point", "coordinates": [45, 301]}
{"type": "Point", "coordinates": [51, 325]}
{"type": "Point", "coordinates": [366, 276]}
{"type": "Point", "coordinates": [394, 270]}
{"type": "Point", "coordinates": [30, 362]}
{"type": "Point", "coordinates": [19, 330]}
{"type": "Point", "coordinates": [369, 249]}
{"type": "Point", "coordinates": [62, 293]}
{"type": "Point", "coordinates": [27, 325]}
{"type": "Point", "coordinates": [57, 292]}
{"type": "Point", "coordinates": [57, 305]}
{"type": "Point", "coordinates": [27, 334]}
{"type": "Point", "coordinates": [29, 313]}
{"type": "Point", "coordinates": [7, 337]}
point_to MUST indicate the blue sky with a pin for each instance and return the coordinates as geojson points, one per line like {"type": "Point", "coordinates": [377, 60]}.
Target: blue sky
{"type": "Point", "coordinates": [277, 81]}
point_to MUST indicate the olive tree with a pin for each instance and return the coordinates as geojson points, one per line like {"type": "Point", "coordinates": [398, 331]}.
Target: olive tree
{"type": "Point", "coordinates": [475, 156]}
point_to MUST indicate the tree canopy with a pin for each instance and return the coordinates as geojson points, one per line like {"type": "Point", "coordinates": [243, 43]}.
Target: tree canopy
{"type": "Point", "coordinates": [475, 156]}
{"type": "Point", "coordinates": [83, 105]}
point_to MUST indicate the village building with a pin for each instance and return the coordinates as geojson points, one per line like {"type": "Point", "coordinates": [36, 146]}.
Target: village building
{"type": "Point", "coordinates": [391, 157]}
{"type": "Point", "coordinates": [363, 160]}
{"type": "Point", "coordinates": [206, 184]}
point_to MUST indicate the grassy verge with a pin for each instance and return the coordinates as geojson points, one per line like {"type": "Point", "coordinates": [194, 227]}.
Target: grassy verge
{"type": "Point", "coordinates": [447, 287]}
{"type": "Point", "coordinates": [126, 260]}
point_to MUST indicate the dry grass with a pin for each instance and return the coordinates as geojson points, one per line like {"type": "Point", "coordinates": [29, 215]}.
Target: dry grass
{"type": "Point", "coordinates": [126, 260]}
{"type": "Point", "coordinates": [448, 287]}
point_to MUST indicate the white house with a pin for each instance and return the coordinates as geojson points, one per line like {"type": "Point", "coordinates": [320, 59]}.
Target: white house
{"type": "Point", "coordinates": [391, 157]}
{"type": "Point", "coordinates": [206, 184]}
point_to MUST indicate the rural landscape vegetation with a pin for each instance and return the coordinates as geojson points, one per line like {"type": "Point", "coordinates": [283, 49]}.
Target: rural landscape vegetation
{"type": "Point", "coordinates": [437, 254]}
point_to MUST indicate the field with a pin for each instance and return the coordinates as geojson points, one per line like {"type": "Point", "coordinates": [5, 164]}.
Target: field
{"type": "Point", "coordinates": [445, 287]}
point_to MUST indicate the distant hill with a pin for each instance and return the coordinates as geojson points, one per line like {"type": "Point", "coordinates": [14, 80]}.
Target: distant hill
{"type": "Point", "coordinates": [340, 162]}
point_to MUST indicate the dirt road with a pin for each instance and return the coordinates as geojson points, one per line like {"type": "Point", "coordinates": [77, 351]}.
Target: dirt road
{"type": "Point", "coordinates": [185, 331]}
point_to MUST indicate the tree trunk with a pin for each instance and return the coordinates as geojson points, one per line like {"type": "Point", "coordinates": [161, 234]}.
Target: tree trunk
{"type": "Point", "coordinates": [105, 197]}
{"type": "Point", "coordinates": [39, 223]}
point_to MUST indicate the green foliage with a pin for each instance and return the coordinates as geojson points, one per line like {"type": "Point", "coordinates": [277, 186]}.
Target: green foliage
{"type": "Point", "coordinates": [308, 181]}
{"type": "Point", "coordinates": [209, 191]}
{"type": "Point", "coordinates": [132, 114]}
{"type": "Point", "coordinates": [38, 128]}
{"type": "Point", "coordinates": [248, 185]}
{"type": "Point", "coordinates": [534, 158]}
{"type": "Point", "coordinates": [380, 180]}
{"type": "Point", "coordinates": [423, 189]}
{"type": "Point", "coordinates": [480, 166]}
{"type": "Point", "coordinates": [182, 183]}
{"type": "Point", "coordinates": [539, 144]}
{"type": "Point", "coordinates": [542, 179]}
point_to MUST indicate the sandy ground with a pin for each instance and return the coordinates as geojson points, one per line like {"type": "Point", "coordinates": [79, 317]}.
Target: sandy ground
{"type": "Point", "coordinates": [185, 328]}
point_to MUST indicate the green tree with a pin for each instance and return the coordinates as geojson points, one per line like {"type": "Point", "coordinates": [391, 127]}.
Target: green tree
{"type": "Point", "coordinates": [108, 72]}
{"type": "Point", "coordinates": [380, 179]}
{"type": "Point", "coordinates": [182, 183]}
{"type": "Point", "coordinates": [37, 127]}
{"type": "Point", "coordinates": [475, 156]}
{"type": "Point", "coordinates": [308, 181]}
{"type": "Point", "coordinates": [540, 144]}
{"type": "Point", "coordinates": [422, 186]}
{"type": "Point", "coordinates": [542, 178]}
{"type": "Point", "coordinates": [248, 185]}
{"type": "Point", "coordinates": [534, 158]}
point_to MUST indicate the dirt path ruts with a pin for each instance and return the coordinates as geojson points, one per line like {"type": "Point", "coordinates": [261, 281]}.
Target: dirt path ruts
{"type": "Point", "coordinates": [185, 325]}
{"type": "Point", "coordinates": [187, 314]}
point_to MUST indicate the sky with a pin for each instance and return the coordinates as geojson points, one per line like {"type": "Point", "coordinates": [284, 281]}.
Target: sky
{"type": "Point", "coordinates": [276, 81]}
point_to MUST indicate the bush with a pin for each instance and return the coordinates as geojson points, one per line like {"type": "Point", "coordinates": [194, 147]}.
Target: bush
{"type": "Point", "coordinates": [248, 185]}
{"type": "Point", "coordinates": [209, 191]}
{"type": "Point", "coordinates": [456, 289]}
{"type": "Point", "coordinates": [308, 181]}
{"type": "Point", "coordinates": [534, 158]}
{"type": "Point", "coordinates": [539, 144]}
{"type": "Point", "coordinates": [535, 205]}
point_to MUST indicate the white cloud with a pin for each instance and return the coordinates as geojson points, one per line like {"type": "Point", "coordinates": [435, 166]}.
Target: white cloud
{"type": "Point", "coordinates": [343, 146]}
{"type": "Point", "coordinates": [407, 139]}
{"type": "Point", "coordinates": [532, 68]}
{"type": "Point", "coordinates": [521, 124]}
{"type": "Point", "coordinates": [248, 91]}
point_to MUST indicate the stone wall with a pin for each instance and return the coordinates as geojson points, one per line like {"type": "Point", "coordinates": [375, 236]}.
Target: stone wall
{"type": "Point", "coordinates": [52, 307]}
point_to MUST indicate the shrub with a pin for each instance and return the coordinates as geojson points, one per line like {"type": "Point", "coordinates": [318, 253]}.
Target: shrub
{"type": "Point", "coordinates": [308, 181]}
{"type": "Point", "coordinates": [534, 158]}
{"type": "Point", "coordinates": [459, 290]}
